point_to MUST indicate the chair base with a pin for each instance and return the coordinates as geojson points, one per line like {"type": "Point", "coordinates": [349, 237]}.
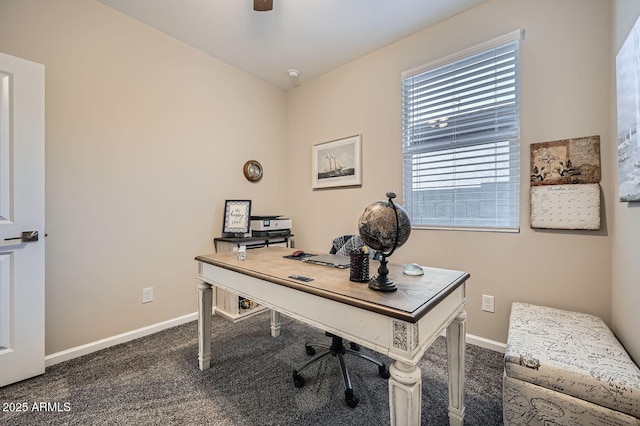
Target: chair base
{"type": "Point", "coordinates": [338, 350]}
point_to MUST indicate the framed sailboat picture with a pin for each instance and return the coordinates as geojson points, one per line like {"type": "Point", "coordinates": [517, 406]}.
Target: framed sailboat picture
{"type": "Point", "coordinates": [337, 163]}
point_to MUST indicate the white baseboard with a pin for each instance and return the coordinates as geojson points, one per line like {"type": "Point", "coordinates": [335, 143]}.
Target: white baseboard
{"type": "Point", "coordinates": [486, 343]}
{"type": "Point", "coordinates": [81, 350]}
{"type": "Point", "coordinates": [482, 342]}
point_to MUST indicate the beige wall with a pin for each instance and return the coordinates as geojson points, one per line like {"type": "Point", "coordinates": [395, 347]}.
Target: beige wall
{"type": "Point", "coordinates": [145, 139]}
{"type": "Point", "coordinates": [565, 91]}
{"type": "Point", "coordinates": [625, 217]}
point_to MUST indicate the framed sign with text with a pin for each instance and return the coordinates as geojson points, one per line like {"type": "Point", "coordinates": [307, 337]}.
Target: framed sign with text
{"type": "Point", "coordinates": [237, 214]}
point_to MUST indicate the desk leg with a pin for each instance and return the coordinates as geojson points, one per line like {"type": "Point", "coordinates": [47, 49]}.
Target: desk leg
{"type": "Point", "coordinates": [456, 341]}
{"type": "Point", "coordinates": [205, 300]}
{"type": "Point", "coordinates": [275, 323]}
{"type": "Point", "coordinates": [405, 394]}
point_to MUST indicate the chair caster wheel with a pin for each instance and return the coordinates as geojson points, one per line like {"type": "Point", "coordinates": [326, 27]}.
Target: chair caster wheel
{"type": "Point", "coordinates": [311, 351]}
{"type": "Point", "coordinates": [298, 380]}
{"type": "Point", "coordinates": [383, 372]}
{"type": "Point", "coordinates": [350, 398]}
{"type": "Point", "coordinates": [354, 346]}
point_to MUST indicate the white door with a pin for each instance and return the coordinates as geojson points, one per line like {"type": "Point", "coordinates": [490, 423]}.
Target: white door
{"type": "Point", "coordinates": [21, 219]}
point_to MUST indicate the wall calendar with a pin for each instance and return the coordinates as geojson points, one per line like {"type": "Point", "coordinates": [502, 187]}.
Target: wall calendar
{"type": "Point", "coordinates": [565, 189]}
{"type": "Point", "coordinates": [566, 206]}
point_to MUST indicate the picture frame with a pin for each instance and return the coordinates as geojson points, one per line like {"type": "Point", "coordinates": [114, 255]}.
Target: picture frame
{"type": "Point", "coordinates": [337, 163]}
{"type": "Point", "coordinates": [628, 90]}
{"type": "Point", "coordinates": [237, 215]}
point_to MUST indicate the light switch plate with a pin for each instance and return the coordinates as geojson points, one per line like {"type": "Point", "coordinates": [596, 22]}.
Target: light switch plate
{"type": "Point", "coordinates": [147, 295]}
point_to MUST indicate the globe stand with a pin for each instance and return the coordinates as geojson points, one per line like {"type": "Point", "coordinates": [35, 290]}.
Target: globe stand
{"type": "Point", "coordinates": [382, 281]}
{"type": "Point", "coordinates": [377, 239]}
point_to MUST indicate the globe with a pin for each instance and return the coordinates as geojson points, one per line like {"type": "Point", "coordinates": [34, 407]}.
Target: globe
{"type": "Point", "coordinates": [384, 226]}
{"type": "Point", "coordinates": [379, 228]}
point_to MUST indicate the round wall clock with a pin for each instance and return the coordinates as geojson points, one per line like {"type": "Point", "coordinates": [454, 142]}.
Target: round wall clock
{"type": "Point", "coordinates": [252, 170]}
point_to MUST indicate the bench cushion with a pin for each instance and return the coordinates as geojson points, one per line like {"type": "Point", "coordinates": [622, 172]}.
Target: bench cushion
{"type": "Point", "coordinates": [571, 353]}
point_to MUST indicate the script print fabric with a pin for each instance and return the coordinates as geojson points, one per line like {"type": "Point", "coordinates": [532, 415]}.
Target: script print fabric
{"type": "Point", "coordinates": [574, 354]}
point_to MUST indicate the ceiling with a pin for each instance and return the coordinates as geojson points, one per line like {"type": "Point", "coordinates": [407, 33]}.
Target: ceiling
{"type": "Point", "coordinates": [310, 36]}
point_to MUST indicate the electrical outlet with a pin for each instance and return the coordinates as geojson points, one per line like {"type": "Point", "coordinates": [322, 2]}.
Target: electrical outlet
{"type": "Point", "coordinates": [488, 303]}
{"type": "Point", "coordinates": [147, 295]}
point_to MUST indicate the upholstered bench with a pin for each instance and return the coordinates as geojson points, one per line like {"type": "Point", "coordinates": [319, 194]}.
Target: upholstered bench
{"type": "Point", "coordinates": [567, 368]}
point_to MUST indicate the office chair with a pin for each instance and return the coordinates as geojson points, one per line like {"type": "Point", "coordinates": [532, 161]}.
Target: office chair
{"type": "Point", "coordinates": [341, 245]}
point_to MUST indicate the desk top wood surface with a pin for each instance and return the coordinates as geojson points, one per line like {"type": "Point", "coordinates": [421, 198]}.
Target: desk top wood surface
{"type": "Point", "coordinates": [415, 297]}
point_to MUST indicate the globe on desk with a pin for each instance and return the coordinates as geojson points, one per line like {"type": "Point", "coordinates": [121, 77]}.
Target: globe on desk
{"type": "Point", "coordinates": [384, 226]}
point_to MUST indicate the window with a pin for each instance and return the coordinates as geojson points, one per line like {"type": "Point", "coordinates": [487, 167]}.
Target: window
{"type": "Point", "coordinates": [461, 130]}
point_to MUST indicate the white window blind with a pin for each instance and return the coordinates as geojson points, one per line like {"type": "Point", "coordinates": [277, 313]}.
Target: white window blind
{"type": "Point", "coordinates": [461, 127]}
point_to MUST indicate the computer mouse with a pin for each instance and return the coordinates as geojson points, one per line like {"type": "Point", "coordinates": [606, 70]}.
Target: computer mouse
{"type": "Point", "coordinates": [297, 253]}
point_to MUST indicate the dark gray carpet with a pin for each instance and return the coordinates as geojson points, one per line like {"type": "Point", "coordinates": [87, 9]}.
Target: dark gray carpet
{"type": "Point", "coordinates": [156, 380]}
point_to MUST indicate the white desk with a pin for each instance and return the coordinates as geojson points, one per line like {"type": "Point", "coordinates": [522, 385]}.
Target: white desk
{"type": "Point", "coordinates": [226, 304]}
{"type": "Point", "coordinates": [401, 324]}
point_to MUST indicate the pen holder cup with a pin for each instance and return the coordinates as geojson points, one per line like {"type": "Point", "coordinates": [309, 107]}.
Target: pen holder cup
{"type": "Point", "coordinates": [359, 270]}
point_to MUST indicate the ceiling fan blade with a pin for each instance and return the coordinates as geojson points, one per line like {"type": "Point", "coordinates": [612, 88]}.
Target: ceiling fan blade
{"type": "Point", "coordinates": [262, 5]}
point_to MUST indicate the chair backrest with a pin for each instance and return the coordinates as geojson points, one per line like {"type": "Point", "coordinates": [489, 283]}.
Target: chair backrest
{"type": "Point", "coordinates": [345, 244]}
